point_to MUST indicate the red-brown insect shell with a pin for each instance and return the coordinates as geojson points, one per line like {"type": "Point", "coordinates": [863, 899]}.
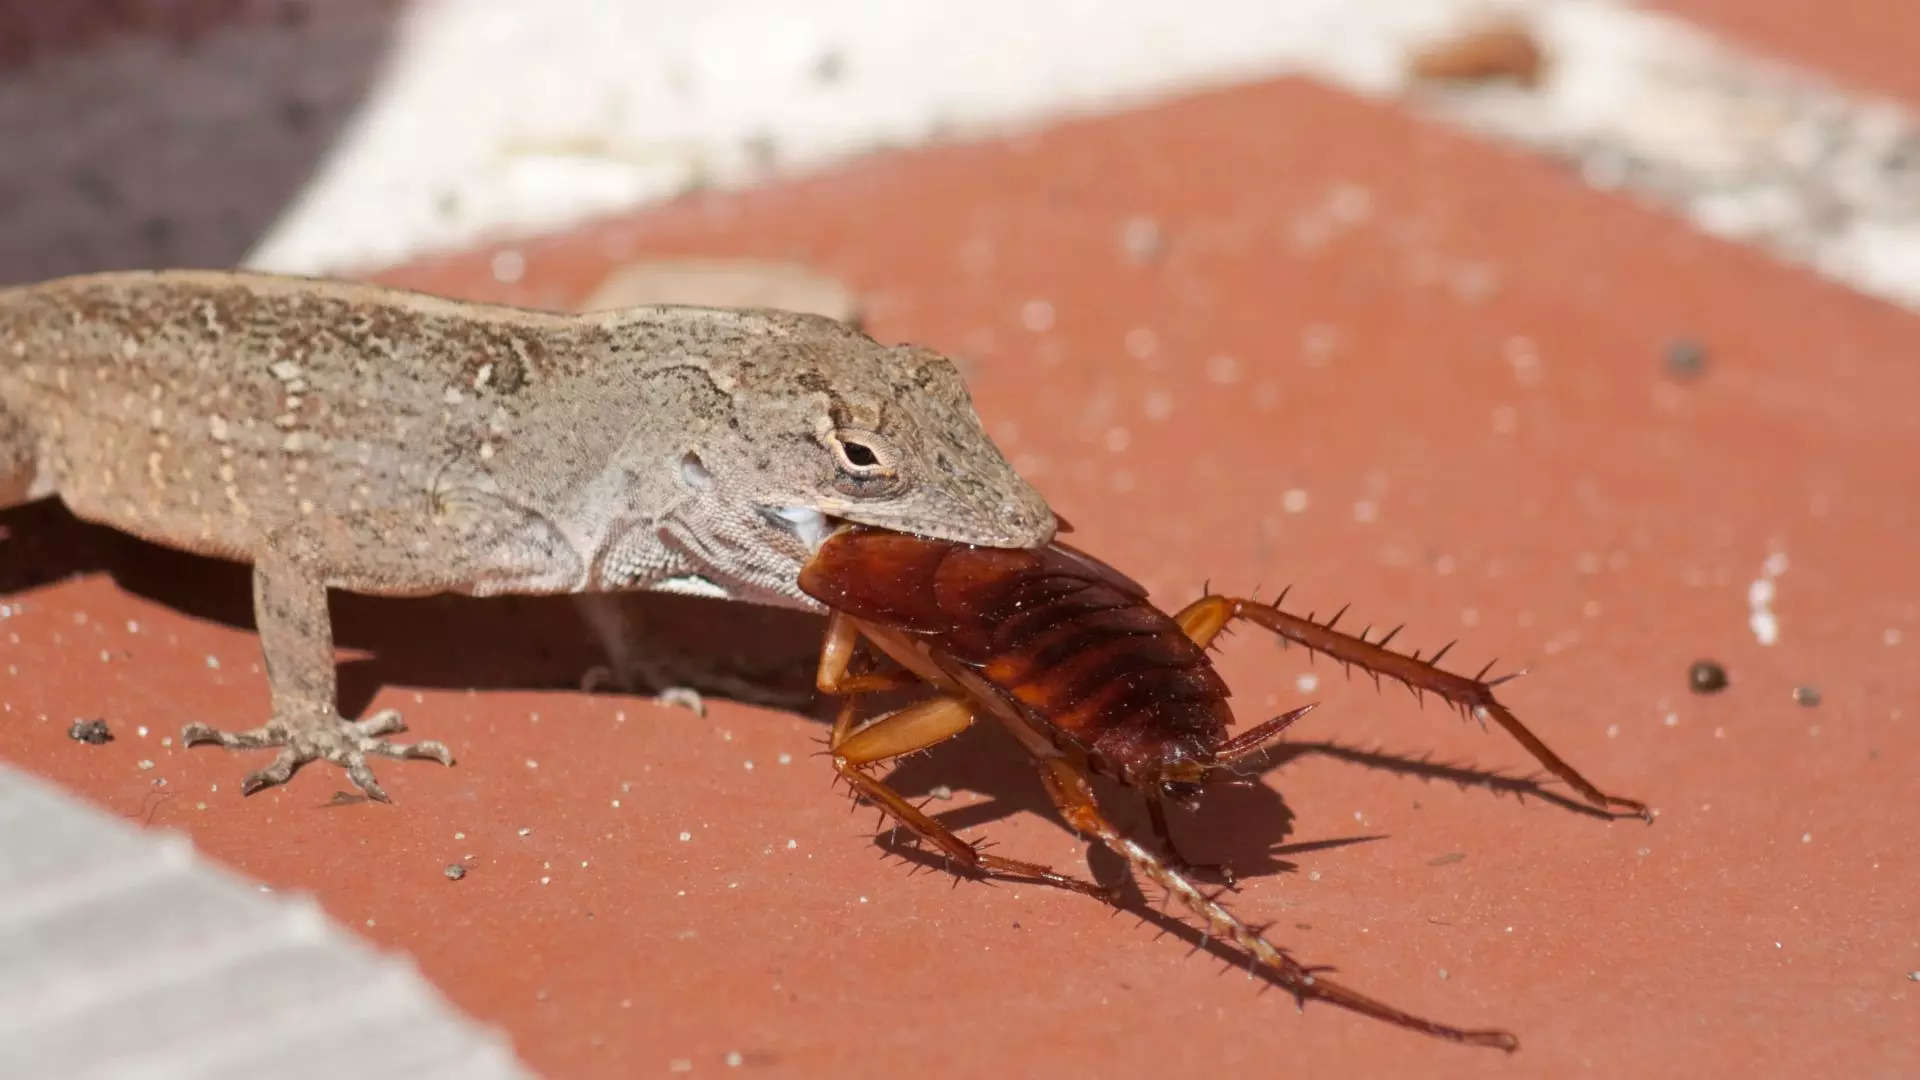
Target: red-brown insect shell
{"type": "Point", "coordinates": [1090, 676]}
{"type": "Point", "coordinates": [1064, 648]}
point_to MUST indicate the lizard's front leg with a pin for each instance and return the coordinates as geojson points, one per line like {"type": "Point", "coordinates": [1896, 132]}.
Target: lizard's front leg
{"type": "Point", "coordinates": [467, 540]}
{"type": "Point", "coordinates": [296, 637]}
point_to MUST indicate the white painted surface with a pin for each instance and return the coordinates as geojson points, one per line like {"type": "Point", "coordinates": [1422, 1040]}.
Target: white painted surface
{"type": "Point", "coordinates": [124, 954]}
{"type": "Point", "coordinates": [502, 117]}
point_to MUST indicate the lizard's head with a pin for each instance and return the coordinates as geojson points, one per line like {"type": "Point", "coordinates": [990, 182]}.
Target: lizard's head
{"type": "Point", "coordinates": [887, 437]}
{"type": "Point", "coordinates": [822, 425]}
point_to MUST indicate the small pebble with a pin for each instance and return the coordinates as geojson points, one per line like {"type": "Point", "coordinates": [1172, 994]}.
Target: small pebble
{"type": "Point", "coordinates": [1686, 358]}
{"type": "Point", "coordinates": [1806, 695]}
{"type": "Point", "coordinates": [1706, 677]}
{"type": "Point", "coordinates": [455, 871]}
{"type": "Point", "coordinates": [91, 732]}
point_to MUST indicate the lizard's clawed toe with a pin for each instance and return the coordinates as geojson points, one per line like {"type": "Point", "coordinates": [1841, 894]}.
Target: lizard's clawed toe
{"type": "Point", "coordinates": [259, 738]}
{"type": "Point", "coordinates": [346, 743]}
{"type": "Point", "coordinates": [285, 763]}
{"type": "Point", "coordinates": [384, 722]}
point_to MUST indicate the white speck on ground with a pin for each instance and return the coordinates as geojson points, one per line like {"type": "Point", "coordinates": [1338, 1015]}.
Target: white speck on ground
{"type": "Point", "coordinates": [1307, 683]}
{"type": "Point", "coordinates": [1294, 500]}
{"type": "Point", "coordinates": [1037, 316]}
{"type": "Point", "coordinates": [1223, 369]}
{"type": "Point", "coordinates": [1157, 405]}
{"type": "Point", "coordinates": [1760, 594]}
{"type": "Point", "coordinates": [1141, 239]}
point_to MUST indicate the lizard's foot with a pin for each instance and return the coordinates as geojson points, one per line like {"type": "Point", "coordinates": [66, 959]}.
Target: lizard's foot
{"type": "Point", "coordinates": [346, 743]}
{"type": "Point", "coordinates": [684, 697]}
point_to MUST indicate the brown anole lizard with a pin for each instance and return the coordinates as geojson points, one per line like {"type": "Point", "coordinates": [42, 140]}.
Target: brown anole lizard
{"type": "Point", "coordinates": [350, 436]}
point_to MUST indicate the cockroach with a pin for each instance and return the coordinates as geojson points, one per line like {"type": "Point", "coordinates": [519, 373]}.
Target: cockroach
{"type": "Point", "coordinates": [1090, 678]}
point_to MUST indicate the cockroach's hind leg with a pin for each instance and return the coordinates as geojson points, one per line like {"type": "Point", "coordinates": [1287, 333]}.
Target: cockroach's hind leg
{"type": "Point", "coordinates": [916, 727]}
{"type": "Point", "coordinates": [1072, 792]}
{"type": "Point", "coordinates": [1205, 617]}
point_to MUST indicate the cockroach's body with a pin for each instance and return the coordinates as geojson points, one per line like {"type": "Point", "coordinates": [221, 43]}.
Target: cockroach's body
{"type": "Point", "coordinates": [1091, 678]}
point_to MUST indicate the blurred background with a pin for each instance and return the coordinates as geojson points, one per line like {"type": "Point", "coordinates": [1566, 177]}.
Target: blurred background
{"type": "Point", "coordinates": [353, 134]}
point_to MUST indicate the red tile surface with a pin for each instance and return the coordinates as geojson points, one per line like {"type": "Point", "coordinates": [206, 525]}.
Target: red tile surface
{"type": "Point", "coordinates": [1350, 304]}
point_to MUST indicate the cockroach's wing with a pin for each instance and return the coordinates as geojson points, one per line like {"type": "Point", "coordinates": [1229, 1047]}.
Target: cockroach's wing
{"type": "Point", "coordinates": [1080, 562]}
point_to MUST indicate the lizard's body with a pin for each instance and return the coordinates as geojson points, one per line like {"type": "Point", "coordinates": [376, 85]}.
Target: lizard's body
{"type": "Point", "coordinates": [387, 442]}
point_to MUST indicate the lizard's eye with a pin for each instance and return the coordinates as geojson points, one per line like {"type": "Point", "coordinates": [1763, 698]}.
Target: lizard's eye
{"type": "Point", "coordinates": [864, 460]}
{"type": "Point", "coordinates": [861, 454]}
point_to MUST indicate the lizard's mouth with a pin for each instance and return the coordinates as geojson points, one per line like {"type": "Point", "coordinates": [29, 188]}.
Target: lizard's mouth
{"type": "Point", "coordinates": [809, 526]}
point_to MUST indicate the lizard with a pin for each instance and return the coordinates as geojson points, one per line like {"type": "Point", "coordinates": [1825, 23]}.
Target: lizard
{"type": "Point", "coordinates": [345, 435]}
